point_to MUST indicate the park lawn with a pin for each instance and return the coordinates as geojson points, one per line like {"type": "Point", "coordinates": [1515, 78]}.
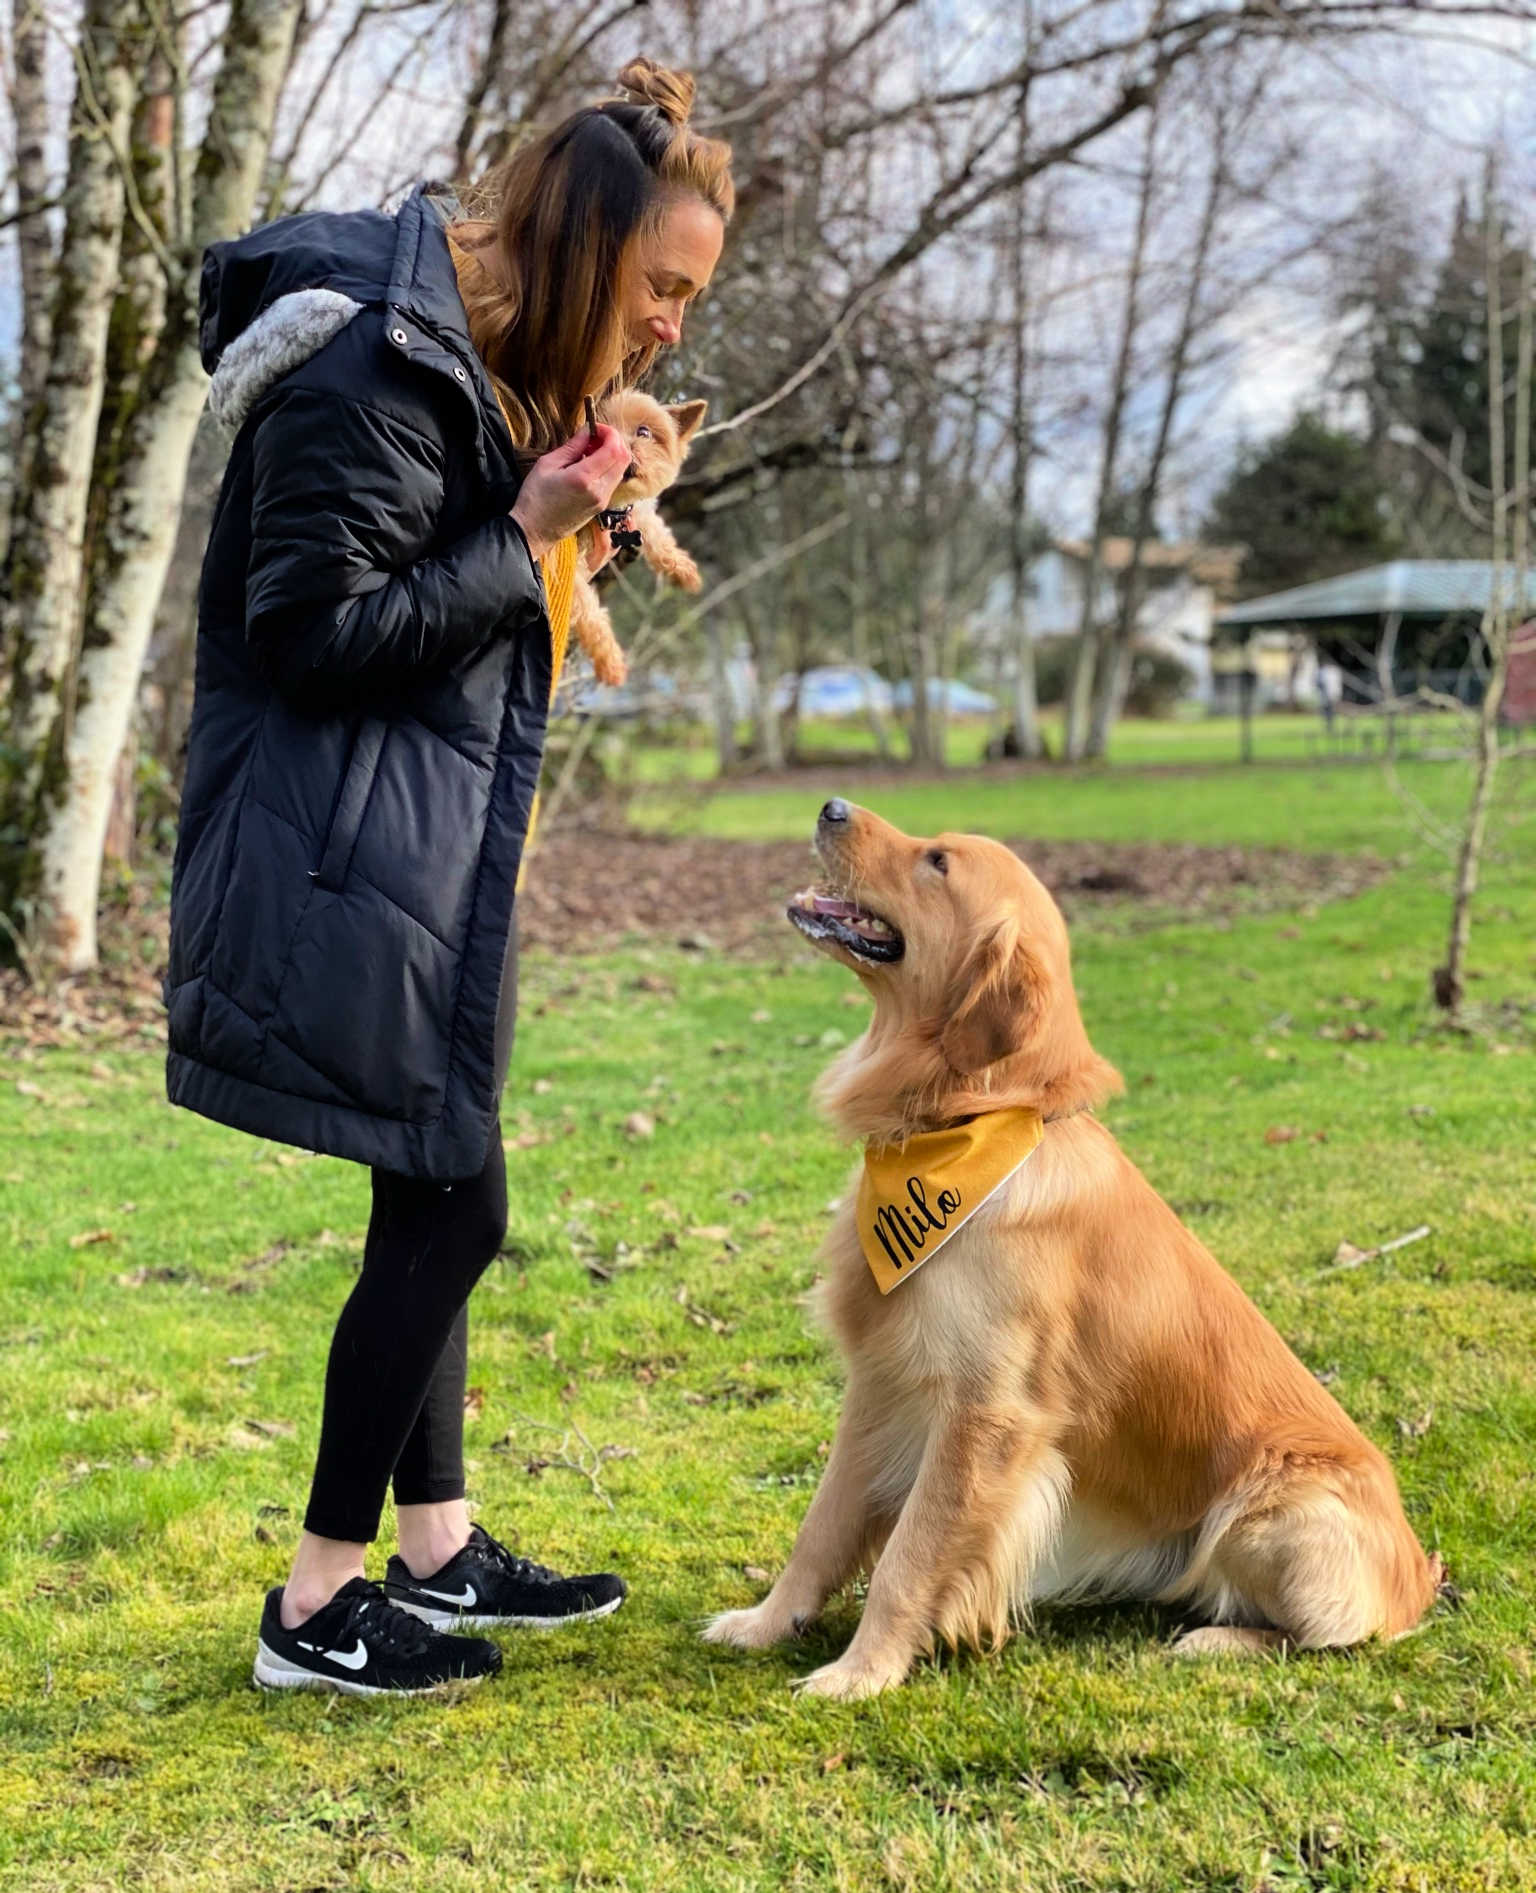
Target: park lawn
{"type": "Point", "coordinates": [1185, 739]}
{"type": "Point", "coordinates": [157, 1436]}
{"type": "Point", "coordinates": [1412, 815]}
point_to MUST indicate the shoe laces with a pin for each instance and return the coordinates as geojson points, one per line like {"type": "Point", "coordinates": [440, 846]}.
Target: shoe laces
{"type": "Point", "coordinates": [524, 1569]}
{"type": "Point", "coordinates": [389, 1629]}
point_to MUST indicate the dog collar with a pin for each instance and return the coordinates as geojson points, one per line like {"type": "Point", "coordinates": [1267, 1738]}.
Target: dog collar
{"type": "Point", "coordinates": [913, 1197]}
{"type": "Point", "coordinates": [619, 521]}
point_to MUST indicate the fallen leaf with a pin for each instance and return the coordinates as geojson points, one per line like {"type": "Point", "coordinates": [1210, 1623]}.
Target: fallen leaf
{"type": "Point", "coordinates": [474, 1402]}
{"type": "Point", "coordinates": [710, 1232]}
{"type": "Point", "coordinates": [247, 1360]}
{"type": "Point", "coordinates": [754, 1574]}
{"type": "Point", "coordinates": [88, 1237]}
{"type": "Point", "coordinates": [1416, 1429]}
{"type": "Point", "coordinates": [26, 1089]}
{"type": "Point", "coordinates": [639, 1124]}
{"type": "Point", "coordinates": [1281, 1134]}
{"type": "Point", "coordinates": [272, 1429]}
{"type": "Point", "coordinates": [542, 1087]}
{"type": "Point", "coordinates": [832, 1762]}
{"type": "Point", "coordinates": [1347, 1252]}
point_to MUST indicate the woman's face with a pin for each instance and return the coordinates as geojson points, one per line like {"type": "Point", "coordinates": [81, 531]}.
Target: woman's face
{"type": "Point", "coordinates": [668, 268]}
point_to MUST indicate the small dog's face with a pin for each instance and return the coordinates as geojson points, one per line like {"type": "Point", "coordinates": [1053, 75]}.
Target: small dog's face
{"type": "Point", "coordinates": [953, 929]}
{"type": "Point", "coordinates": [658, 439]}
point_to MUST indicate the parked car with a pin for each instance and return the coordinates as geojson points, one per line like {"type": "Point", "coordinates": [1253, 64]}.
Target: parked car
{"type": "Point", "coordinates": [833, 690]}
{"type": "Point", "coordinates": [652, 694]}
{"type": "Point", "coordinates": [949, 694]}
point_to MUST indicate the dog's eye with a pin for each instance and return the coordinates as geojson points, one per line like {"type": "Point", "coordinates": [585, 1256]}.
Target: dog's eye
{"type": "Point", "coordinates": [938, 859]}
{"type": "Point", "coordinates": [642, 433]}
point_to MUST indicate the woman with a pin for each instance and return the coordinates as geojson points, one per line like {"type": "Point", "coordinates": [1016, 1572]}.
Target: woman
{"type": "Point", "coordinates": [381, 624]}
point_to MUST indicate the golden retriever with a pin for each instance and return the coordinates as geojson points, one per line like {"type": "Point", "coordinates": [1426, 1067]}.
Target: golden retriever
{"type": "Point", "coordinates": [1072, 1399]}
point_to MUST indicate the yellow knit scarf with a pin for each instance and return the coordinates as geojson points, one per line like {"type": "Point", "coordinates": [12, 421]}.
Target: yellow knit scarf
{"type": "Point", "coordinates": [558, 565]}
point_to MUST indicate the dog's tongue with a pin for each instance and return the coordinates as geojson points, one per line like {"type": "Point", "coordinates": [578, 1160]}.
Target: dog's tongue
{"type": "Point", "coordinates": [835, 909]}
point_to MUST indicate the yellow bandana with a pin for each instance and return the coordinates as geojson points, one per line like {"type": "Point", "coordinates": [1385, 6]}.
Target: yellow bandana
{"type": "Point", "coordinates": [913, 1197]}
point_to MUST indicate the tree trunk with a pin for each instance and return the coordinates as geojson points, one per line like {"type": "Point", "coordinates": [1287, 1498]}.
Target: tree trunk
{"type": "Point", "coordinates": [767, 742]}
{"type": "Point", "coordinates": [862, 587]}
{"type": "Point", "coordinates": [1115, 662]}
{"type": "Point", "coordinates": [43, 565]}
{"type": "Point", "coordinates": [34, 245]}
{"type": "Point", "coordinates": [1090, 635]}
{"type": "Point", "coordinates": [721, 703]}
{"type": "Point", "coordinates": [140, 526]}
{"type": "Point", "coordinates": [1019, 655]}
{"type": "Point", "coordinates": [1507, 597]}
{"type": "Point", "coordinates": [924, 752]}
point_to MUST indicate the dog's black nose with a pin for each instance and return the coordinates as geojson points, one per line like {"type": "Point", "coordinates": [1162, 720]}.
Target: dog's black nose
{"type": "Point", "coordinates": [837, 810]}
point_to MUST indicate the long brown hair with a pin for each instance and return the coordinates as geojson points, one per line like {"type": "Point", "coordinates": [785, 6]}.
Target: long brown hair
{"type": "Point", "coordinates": [542, 278]}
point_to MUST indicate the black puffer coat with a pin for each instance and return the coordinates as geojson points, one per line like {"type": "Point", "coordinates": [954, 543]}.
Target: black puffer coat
{"type": "Point", "coordinates": [373, 676]}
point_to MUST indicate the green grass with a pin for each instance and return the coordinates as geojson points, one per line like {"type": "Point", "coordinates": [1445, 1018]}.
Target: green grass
{"type": "Point", "coordinates": [1185, 739]}
{"type": "Point", "coordinates": [141, 1514]}
{"type": "Point", "coordinates": [1319, 807]}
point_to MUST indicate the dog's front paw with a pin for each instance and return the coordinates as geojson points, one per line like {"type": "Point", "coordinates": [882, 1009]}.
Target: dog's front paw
{"type": "Point", "coordinates": [845, 1681]}
{"type": "Point", "coordinates": [754, 1629]}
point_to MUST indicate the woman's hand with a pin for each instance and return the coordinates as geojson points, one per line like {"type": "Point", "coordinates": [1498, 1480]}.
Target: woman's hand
{"type": "Point", "coordinates": [564, 488]}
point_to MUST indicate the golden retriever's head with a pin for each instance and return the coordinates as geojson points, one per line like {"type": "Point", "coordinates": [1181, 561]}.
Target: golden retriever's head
{"type": "Point", "coordinates": [966, 956]}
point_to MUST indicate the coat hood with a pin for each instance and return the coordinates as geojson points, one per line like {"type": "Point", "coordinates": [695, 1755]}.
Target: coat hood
{"type": "Point", "coordinates": [270, 300]}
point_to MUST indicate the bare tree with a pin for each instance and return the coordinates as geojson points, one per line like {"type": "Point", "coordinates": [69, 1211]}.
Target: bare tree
{"type": "Point", "coordinates": [1090, 631]}
{"type": "Point", "coordinates": [1115, 655]}
{"type": "Point", "coordinates": [145, 499]}
{"type": "Point", "coordinates": [1509, 575]}
{"type": "Point", "coordinates": [40, 612]}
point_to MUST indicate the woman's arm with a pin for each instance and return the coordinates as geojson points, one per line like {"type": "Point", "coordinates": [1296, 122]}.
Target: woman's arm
{"type": "Point", "coordinates": [337, 591]}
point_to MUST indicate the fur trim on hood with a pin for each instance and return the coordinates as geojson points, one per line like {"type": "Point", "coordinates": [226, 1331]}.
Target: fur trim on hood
{"type": "Point", "coordinates": [282, 338]}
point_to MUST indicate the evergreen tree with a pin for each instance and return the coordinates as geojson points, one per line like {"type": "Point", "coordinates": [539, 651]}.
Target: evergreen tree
{"type": "Point", "coordinates": [1307, 504]}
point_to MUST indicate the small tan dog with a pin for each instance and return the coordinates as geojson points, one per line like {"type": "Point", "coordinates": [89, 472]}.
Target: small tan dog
{"type": "Point", "coordinates": [1069, 1398]}
{"type": "Point", "coordinates": [658, 440]}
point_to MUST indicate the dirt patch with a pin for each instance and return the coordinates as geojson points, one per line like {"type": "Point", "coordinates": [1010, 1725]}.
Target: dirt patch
{"type": "Point", "coordinates": [587, 891]}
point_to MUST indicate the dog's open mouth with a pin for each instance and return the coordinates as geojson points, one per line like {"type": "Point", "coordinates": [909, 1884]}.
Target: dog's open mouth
{"type": "Point", "coordinates": [854, 928]}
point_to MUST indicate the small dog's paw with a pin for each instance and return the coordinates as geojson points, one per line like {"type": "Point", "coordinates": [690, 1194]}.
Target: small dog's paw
{"type": "Point", "coordinates": [843, 1681]}
{"type": "Point", "coordinates": [754, 1629]}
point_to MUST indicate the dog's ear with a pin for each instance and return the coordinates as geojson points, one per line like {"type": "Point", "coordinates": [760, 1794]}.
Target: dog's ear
{"type": "Point", "coordinates": [687, 415]}
{"type": "Point", "coordinates": [991, 1004]}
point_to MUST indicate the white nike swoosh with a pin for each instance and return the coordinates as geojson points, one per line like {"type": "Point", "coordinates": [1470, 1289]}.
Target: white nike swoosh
{"type": "Point", "coordinates": [349, 1659]}
{"type": "Point", "coordinates": [465, 1601]}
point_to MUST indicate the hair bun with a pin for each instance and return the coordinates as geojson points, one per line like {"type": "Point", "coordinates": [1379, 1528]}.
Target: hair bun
{"type": "Point", "coordinates": [670, 92]}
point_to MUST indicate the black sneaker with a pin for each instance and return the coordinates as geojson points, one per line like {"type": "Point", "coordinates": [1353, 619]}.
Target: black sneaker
{"type": "Point", "coordinates": [360, 1644]}
{"type": "Point", "coordinates": [487, 1587]}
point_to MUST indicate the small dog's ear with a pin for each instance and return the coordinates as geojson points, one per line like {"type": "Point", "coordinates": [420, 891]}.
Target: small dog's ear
{"type": "Point", "coordinates": [687, 415]}
{"type": "Point", "coordinates": [990, 1006]}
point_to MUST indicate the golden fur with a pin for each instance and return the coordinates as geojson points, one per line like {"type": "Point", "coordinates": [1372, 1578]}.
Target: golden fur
{"type": "Point", "coordinates": [1074, 1398]}
{"type": "Point", "coordinates": [658, 439]}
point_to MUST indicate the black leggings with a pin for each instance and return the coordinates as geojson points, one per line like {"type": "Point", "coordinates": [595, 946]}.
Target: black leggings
{"type": "Point", "coordinates": [394, 1385]}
